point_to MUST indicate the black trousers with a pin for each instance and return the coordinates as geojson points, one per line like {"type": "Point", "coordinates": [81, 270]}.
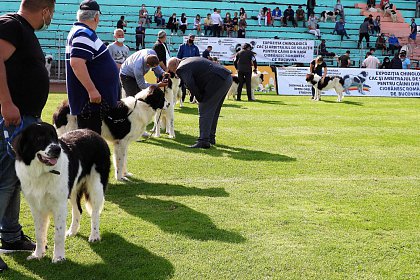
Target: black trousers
{"type": "Point", "coordinates": [184, 92]}
{"type": "Point", "coordinates": [244, 77]}
{"type": "Point", "coordinates": [140, 41]}
{"type": "Point", "coordinates": [216, 30]}
{"type": "Point", "coordinates": [129, 85]}
{"type": "Point", "coordinates": [361, 36]}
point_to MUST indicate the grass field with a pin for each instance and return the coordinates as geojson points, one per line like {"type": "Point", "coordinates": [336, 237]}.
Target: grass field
{"type": "Point", "coordinates": [293, 189]}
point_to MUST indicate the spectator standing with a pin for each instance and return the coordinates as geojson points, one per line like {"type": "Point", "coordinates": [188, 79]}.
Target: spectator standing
{"type": "Point", "coordinates": [197, 25]}
{"type": "Point", "coordinates": [322, 49]}
{"type": "Point", "coordinates": [385, 63]}
{"type": "Point", "coordinates": [344, 60]}
{"type": "Point", "coordinates": [310, 6]}
{"type": "Point", "coordinates": [217, 22]}
{"type": "Point", "coordinates": [228, 25]}
{"type": "Point", "coordinates": [244, 60]}
{"type": "Point", "coordinates": [340, 29]}
{"type": "Point", "coordinates": [289, 15]}
{"type": "Point", "coordinates": [340, 8]}
{"type": "Point", "coordinates": [24, 88]}
{"type": "Point", "coordinates": [119, 52]}
{"type": "Point", "coordinates": [162, 50]}
{"type": "Point", "coordinates": [371, 61]}
{"type": "Point", "coordinates": [316, 67]}
{"type": "Point", "coordinates": [91, 73]}
{"type": "Point", "coordinates": [188, 49]}
{"type": "Point", "coordinates": [242, 13]}
{"type": "Point", "coordinates": [418, 9]}
{"type": "Point", "coordinates": [377, 25]}
{"type": "Point", "coordinates": [394, 44]}
{"type": "Point", "coordinates": [313, 26]}
{"type": "Point", "coordinates": [396, 62]}
{"type": "Point", "coordinates": [381, 43]}
{"type": "Point", "coordinates": [413, 31]}
{"type": "Point", "coordinates": [159, 20]}
{"type": "Point", "coordinates": [208, 25]}
{"type": "Point", "coordinates": [140, 36]}
{"type": "Point", "coordinates": [206, 52]}
{"type": "Point", "coordinates": [300, 16]}
{"type": "Point", "coordinates": [183, 25]}
{"type": "Point", "coordinates": [173, 24]}
{"type": "Point", "coordinates": [242, 27]}
{"type": "Point", "coordinates": [122, 23]}
{"type": "Point", "coordinates": [276, 15]}
{"type": "Point", "coordinates": [135, 67]}
{"type": "Point", "coordinates": [235, 24]}
{"type": "Point", "coordinates": [364, 33]}
{"type": "Point", "coordinates": [209, 83]}
{"type": "Point", "coordinates": [405, 61]}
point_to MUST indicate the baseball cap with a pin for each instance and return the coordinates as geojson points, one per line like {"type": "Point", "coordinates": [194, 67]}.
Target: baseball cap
{"type": "Point", "coordinates": [161, 34]}
{"type": "Point", "coordinates": [89, 5]}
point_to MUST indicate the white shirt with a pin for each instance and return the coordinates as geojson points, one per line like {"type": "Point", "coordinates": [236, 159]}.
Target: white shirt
{"type": "Point", "coordinates": [216, 19]}
{"type": "Point", "coordinates": [371, 62]}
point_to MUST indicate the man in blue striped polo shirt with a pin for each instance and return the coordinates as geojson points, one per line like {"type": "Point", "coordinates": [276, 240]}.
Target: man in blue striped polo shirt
{"type": "Point", "coordinates": [91, 73]}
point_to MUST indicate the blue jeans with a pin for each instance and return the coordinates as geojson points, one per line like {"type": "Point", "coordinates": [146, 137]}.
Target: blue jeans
{"type": "Point", "coordinates": [10, 229]}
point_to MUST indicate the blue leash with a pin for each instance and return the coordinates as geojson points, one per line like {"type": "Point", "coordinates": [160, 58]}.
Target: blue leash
{"type": "Point", "coordinates": [10, 151]}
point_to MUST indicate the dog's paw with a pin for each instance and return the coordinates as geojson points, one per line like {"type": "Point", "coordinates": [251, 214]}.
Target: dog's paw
{"type": "Point", "coordinates": [58, 259]}
{"type": "Point", "coordinates": [94, 238]}
{"type": "Point", "coordinates": [35, 256]}
{"type": "Point", "coordinates": [71, 232]}
{"type": "Point", "coordinates": [171, 136]}
{"type": "Point", "coordinates": [128, 175]}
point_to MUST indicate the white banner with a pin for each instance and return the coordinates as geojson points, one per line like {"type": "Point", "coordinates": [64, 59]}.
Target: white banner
{"type": "Point", "coordinates": [267, 50]}
{"type": "Point", "coordinates": [375, 82]}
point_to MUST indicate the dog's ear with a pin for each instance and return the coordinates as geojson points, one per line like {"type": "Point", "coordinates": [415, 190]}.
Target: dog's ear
{"type": "Point", "coordinates": [151, 89]}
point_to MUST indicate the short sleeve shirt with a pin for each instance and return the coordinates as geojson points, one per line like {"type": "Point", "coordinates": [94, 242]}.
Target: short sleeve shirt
{"type": "Point", "coordinates": [119, 53]}
{"type": "Point", "coordinates": [27, 77]}
{"type": "Point", "coordinates": [83, 43]}
{"type": "Point", "coordinates": [318, 68]}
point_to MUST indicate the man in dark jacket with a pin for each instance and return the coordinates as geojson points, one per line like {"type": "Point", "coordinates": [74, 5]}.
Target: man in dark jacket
{"type": "Point", "coordinates": [188, 49]}
{"type": "Point", "coordinates": [396, 62]}
{"type": "Point", "coordinates": [161, 49]}
{"type": "Point", "coordinates": [243, 63]}
{"type": "Point", "coordinates": [289, 14]}
{"type": "Point", "coordinates": [209, 82]}
{"type": "Point", "coordinates": [310, 6]}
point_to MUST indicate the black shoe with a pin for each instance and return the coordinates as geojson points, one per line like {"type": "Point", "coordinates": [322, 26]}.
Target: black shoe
{"type": "Point", "coordinates": [238, 99]}
{"type": "Point", "coordinates": [212, 141]}
{"type": "Point", "coordinates": [24, 244]}
{"type": "Point", "coordinates": [201, 145]}
{"type": "Point", "coordinates": [3, 266]}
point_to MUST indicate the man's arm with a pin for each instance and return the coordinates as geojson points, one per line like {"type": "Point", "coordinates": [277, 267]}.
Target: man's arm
{"type": "Point", "coordinates": [9, 111]}
{"type": "Point", "coordinates": [139, 75]}
{"type": "Point", "coordinates": [325, 72]}
{"type": "Point", "coordinates": [179, 55]}
{"type": "Point", "coordinates": [80, 71]}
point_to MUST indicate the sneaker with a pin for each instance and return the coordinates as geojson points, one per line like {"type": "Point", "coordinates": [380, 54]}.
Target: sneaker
{"type": "Point", "coordinates": [3, 265]}
{"type": "Point", "coordinates": [24, 244]}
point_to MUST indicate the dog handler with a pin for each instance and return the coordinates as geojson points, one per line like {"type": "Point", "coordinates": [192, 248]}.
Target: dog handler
{"type": "Point", "coordinates": [24, 87]}
{"type": "Point", "coordinates": [316, 67]}
{"type": "Point", "coordinates": [209, 83]}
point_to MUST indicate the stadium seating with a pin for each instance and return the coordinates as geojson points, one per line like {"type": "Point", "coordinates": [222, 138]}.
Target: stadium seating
{"type": "Point", "coordinates": [53, 40]}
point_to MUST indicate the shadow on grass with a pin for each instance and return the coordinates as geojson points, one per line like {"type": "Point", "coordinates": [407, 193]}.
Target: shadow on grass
{"type": "Point", "coordinates": [194, 110]}
{"type": "Point", "coordinates": [179, 143]}
{"type": "Point", "coordinates": [170, 216]}
{"type": "Point", "coordinates": [355, 103]}
{"type": "Point", "coordinates": [120, 258]}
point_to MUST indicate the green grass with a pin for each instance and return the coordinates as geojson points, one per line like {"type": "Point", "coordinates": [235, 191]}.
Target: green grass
{"type": "Point", "coordinates": [294, 190]}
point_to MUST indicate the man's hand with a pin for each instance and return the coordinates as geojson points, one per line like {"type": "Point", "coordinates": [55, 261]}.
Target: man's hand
{"type": "Point", "coordinates": [10, 113]}
{"type": "Point", "coordinates": [94, 96]}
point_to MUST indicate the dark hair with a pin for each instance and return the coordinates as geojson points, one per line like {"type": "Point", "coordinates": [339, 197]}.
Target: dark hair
{"type": "Point", "coordinates": [215, 10]}
{"type": "Point", "coordinates": [36, 5]}
{"type": "Point", "coordinates": [152, 60]}
{"type": "Point", "coordinates": [122, 17]}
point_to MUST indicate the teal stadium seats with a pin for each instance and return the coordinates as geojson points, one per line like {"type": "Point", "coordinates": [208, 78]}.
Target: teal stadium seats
{"type": "Point", "coordinates": [53, 40]}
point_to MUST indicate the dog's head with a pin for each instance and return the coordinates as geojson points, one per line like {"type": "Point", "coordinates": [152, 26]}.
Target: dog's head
{"type": "Point", "coordinates": [312, 78]}
{"type": "Point", "coordinates": [38, 144]}
{"type": "Point", "coordinates": [48, 59]}
{"type": "Point", "coordinates": [167, 77]}
{"type": "Point", "coordinates": [154, 97]}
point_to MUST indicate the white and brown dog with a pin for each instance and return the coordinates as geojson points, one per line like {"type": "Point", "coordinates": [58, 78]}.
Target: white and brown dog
{"type": "Point", "coordinates": [257, 78]}
{"type": "Point", "coordinates": [329, 82]}
{"type": "Point", "coordinates": [123, 124]}
{"type": "Point", "coordinates": [52, 170]}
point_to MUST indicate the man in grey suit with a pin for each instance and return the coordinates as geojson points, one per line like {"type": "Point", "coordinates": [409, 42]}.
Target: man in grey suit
{"type": "Point", "coordinates": [209, 83]}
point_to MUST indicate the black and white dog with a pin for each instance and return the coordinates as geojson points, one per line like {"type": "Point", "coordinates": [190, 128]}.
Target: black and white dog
{"type": "Point", "coordinates": [52, 170]}
{"type": "Point", "coordinates": [329, 15]}
{"type": "Point", "coordinates": [123, 124]}
{"type": "Point", "coordinates": [257, 78]}
{"type": "Point", "coordinates": [48, 63]}
{"type": "Point", "coordinates": [329, 82]}
{"type": "Point", "coordinates": [355, 80]}
{"type": "Point", "coordinates": [165, 117]}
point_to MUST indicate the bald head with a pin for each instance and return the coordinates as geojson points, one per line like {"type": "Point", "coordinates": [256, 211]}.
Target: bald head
{"type": "Point", "coordinates": [172, 64]}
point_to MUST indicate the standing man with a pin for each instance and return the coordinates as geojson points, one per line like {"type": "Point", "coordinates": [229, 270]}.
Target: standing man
{"type": "Point", "coordinates": [119, 52]}
{"type": "Point", "coordinates": [310, 6]}
{"type": "Point", "coordinates": [121, 23]}
{"type": "Point", "coordinates": [187, 49]}
{"type": "Point", "coordinates": [364, 33]}
{"type": "Point", "coordinates": [371, 61]}
{"type": "Point", "coordinates": [217, 21]}
{"type": "Point", "coordinates": [161, 49]}
{"type": "Point", "coordinates": [135, 67]}
{"type": "Point", "coordinates": [91, 73]}
{"type": "Point", "coordinates": [344, 60]}
{"type": "Point", "coordinates": [243, 63]}
{"type": "Point", "coordinates": [24, 87]}
{"type": "Point", "coordinates": [140, 36]}
{"type": "Point", "coordinates": [206, 52]}
{"type": "Point", "coordinates": [209, 83]}
{"type": "Point", "coordinates": [413, 31]}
